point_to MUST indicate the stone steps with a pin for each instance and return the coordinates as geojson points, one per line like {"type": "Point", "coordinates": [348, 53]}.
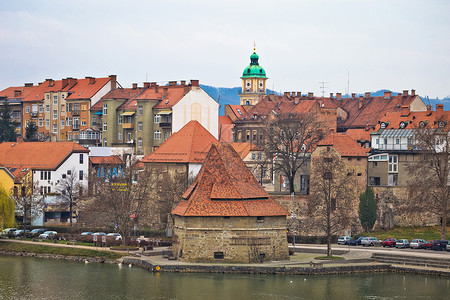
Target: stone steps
{"type": "Point", "coordinates": [412, 260]}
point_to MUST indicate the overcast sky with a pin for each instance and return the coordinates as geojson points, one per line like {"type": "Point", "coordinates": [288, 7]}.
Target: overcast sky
{"type": "Point", "coordinates": [387, 44]}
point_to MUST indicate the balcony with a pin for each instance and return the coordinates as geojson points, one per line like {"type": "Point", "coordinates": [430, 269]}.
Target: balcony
{"type": "Point", "coordinates": [75, 112]}
{"type": "Point", "coordinates": [165, 125]}
{"type": "Point", "coordinates": [34, 114]}
{"type": "Point", "coordinates": [76, 127]}
{"type": "Point", "coordinates": [127, 125]}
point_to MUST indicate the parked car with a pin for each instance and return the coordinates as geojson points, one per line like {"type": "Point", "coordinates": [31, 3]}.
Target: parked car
{"type": "Point", "coordinates": [87, 233]}
{"type": "Point", "coordinates": [20, 233]}
{"type": "Point", "coordinates": [439, 245]}
{"type": "Point", "coordinates": [389, 242]}
{"type": "Point", "coordinates": [10, 232]}
{"type": "Point", "coordinates": [417, 244]}
{"type": "Point", "coordinates": [447, 247]}
{"type": "Point", "coordinates": [356, 242]}
{"type": "Point", "coordinates": [99, 233]}
{"type": "Point", "coordinates": [370, 241]}
{"type": "Point", "coordinates": [402, 243]}
{"type": "Point", "coordinates": [49, 235]}
{"type": "Point", "coordinates": [117, 236]}
{"type": "Point", "coordinates": [36, 232]}
{"type": "Point", "coordinates": [343, 240]}
{"type": "Point", "coordinates": [428, 244]}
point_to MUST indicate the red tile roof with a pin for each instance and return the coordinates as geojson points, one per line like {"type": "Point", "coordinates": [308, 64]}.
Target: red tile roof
{"type": "Point", "coordinates": [37, 155]}
{"type": "Point", "coordinates": [24, 91]}
{"type": "Point", "coordinates": [87, 88]}
{"type": "Point", "coordinates": [359, 134]}
{"type": "Point", "coordinates": [169, 95]}
{"type": "Point", "coordinates": [225, 129]}
{"type": "Point", "coordinates": [238, 110]}
{"type": "Point", "coordinates": [344, 144]}
{"type": "Point", "coordinates": [189, 145]}
{"type": "Point", "coordinates": [243, 149]}
{"type": "Point", "coordinates": [226, 187]}
{"type": "Point", "coordinates": [113, 159]}
{"type": "Point", "coordinates": [42, 88]}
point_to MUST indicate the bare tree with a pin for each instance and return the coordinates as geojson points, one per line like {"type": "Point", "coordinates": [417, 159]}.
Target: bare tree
{"type": "Point", "coordinates": [330, 205]}
{"type": "Point", "coordinates": [70, 189]}
{"type": "Point", "coordinates": [429, 184]}
{"type": "Point", "coordinates": [290, 138]}
{"type": "Point", "coordinates": [27, 199]}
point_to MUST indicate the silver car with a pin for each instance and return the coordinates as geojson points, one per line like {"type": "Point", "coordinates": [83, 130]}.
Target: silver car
{"type": "Point", "coordinates": [417, 244]}
{"type": "Point", "coordinates": [370, 241]}
{"type": "Point", "coordinates": [402, 243]}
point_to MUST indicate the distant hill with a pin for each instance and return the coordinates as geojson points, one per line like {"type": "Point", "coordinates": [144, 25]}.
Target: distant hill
{"type": "Point", "coordinates": [231, 96]}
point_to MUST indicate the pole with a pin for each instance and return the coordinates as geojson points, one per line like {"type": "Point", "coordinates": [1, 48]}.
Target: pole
{"type": "Point", "coordinates": [293, 219]}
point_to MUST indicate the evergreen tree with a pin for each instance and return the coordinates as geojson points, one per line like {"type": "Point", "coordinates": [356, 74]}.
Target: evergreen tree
{"type": "Point", "coordinates": [367, 209]}
{"type": "Point", "coordinates": [30, 131]}
{"type": "Point", "coordinates": [7, 126]}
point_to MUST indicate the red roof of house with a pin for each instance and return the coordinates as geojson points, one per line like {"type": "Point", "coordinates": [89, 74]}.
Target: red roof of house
{"type": "Point", "coordinates": [169, 95]}
{"type": "Point", "coordinates": [344, 144]}
{"type": "Point", "coordinates": [225, 187]}
{"type": "Point", "coordinates": [359, 134]}
{"type": "Point", "coordinates": [225, 129]}
{"type": "Point", "coordinates": [10, 92]}
{"type": "Point", "coordinates": [238, 110]}
{"type": "Point", "coordinates": [189, 145]}
{"type": "Point", "coordinates": [44, 87]}
{"type": "Point", "coordinates": [243, 149]}
{"type": "Point", "coordinates": [37, 155]}
{"type": "Point", "coordinates": [86, 88]}
{"type": "Point", "coordinates": [113, 159]}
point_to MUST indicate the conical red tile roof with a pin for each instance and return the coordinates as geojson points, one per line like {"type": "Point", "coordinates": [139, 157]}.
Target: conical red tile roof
{"type": "Point", "coordinates": [226, 187]}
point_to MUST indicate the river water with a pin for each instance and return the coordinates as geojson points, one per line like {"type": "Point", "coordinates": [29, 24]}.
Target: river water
{"type": "Point", "coordinates": [33, 278]}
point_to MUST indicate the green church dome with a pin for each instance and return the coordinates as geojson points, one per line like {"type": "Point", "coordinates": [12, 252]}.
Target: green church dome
{"type": "Point", "coordinates": [254, 69]}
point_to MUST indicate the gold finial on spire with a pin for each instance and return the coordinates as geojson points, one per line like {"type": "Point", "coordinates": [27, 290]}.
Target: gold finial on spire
{"type": "Point", "coordinates": [254, 46]}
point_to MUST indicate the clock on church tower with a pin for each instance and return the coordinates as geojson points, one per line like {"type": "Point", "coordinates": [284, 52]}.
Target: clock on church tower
{"type": "Point", "coordinates": [253, 81]}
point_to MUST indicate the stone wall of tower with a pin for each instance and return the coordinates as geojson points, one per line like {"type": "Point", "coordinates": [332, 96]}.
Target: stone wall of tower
{"type": "Point", "coordinates": [238, 239]}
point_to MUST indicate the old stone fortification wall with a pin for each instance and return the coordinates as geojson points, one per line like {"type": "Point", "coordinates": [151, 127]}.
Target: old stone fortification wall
{"type": "Point", "coordinates": [393, 209]}
{"type": "Point", "coordinates": [240, 239]}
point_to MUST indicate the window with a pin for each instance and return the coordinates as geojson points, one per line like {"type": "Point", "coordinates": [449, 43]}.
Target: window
{"type": "Point", "coordinates": [62, 123]}
{"type": "Point", "coordinates": [81, 159]}
{"type": "Point", "coordinates": [393, 179]}
{"type": "Point", "coordinates": [119, 135]}
{"type": "Point", "coordinates": [157, 135]}
{"type": "Point", "coordinates": [69, 107]}
{"type": "Point", "coordinates": [375, 164]}
{"type": "Point", "coordinates": [69, 122]}
{"type": "Point", "coordinates": [196, 112]}
{"type": "Point", "coordinates": [119, 120]}
{"type": "Point", "coordinates": [55, 114]}
{"type": "Point", "coordinates": [139, 142]}
{"type": "Point", "coordinates": [140, 126]}
{"type": "Point", "coordinates": [55, 100]}
{"type": "Point", "coordinates": [105, 142]}
{"type": "Point", "coordinates": [47, 108]}
{"type": "Point", "coordinates": [48, 96]}
{"type": "Point", "coordinates": [157, 119]}
{"type": "Point", "coordinates": [248, 135]}
{"type": "Point", "coordinates": [254, 135]}
{"type": "Point", "coordinates": [393, 164]}
{"type": "Point", "coordinates": [41, 108]}
{"type": "Point", "coordinates": [105, 109]}
{"type": "Point", "coordinates": [239, 135]}
{"type": "Point", "coordinates": [129, 136]}
{"type": "Point", "coordinates": [259, 156]}
{"type": "Point", "coordinates": [47, 122]}
{"type": "Point", "coordinates": [253, 155]}
{"type": "Point", "coordinates": [105, 126]}
{"type": "Point", "coordinates": [83, 122]}
{"type": "Point", "coordinates": [304, 184]}
{"type": "Point", "coordinates": [27, 109]}
{"type": "Point", "coordinates": [140, 110]}
{"type": "Point", "coordinates": [397, 141]}
{"type": "Point", "coordinates": [63, 96]}
{"type": "Point", "coordinates": [218, 255]}
{"type": "Point", "coordinates": [69, 137]}
{"type": "Point", "coordinates": [55, 128]}
{"type": "Point", "coordinates": [166, 135]}
{"type": "Point", "coordinates": [40, 122]}
{"type": "Point", "coordinates": [83, 107]}
{"type": "Point", "coordinates": [63, 108]}
{"type": "Point", "coordinates": [377, 141]}
{"type": "Point", "coordinates": [385, 141]}
{"type": "Point", "coordinates": [260, 219]}
{"type": "Point", "coordinates": [80, 175]}
{"type": "Point", "coordinates": [69, 172]}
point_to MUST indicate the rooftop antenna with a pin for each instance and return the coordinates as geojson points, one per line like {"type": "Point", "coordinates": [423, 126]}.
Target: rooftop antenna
{"type": "Point", "coordinates": [348, 82]}
{"type": "Point", "coordinates": [323, 87]}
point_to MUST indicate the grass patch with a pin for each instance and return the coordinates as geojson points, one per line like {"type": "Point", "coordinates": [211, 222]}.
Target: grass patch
{"type": "Point", "coordinates": [427, 233]}
{"type": "Point", "coordinates": [328, 258]}
{"type": "Point", "coordinates": [68, 251]}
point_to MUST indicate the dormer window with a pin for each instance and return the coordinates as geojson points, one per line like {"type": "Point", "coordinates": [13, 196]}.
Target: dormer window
{"type": "Point", "coordinates": [383, 125]}
{"type": "Point", "coordinates": [402, 125]}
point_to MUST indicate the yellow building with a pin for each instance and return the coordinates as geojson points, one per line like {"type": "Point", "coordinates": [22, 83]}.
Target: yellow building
{"type": "Point", "coordinates": [7, 208]}
{"type": "Point", "coordinates": [253, 81]}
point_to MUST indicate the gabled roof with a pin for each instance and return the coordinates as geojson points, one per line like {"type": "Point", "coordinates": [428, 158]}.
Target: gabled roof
{"type": "Point", "coordinates": [86, 88]}
{"type": "Point", "coordinates": [225, 129]}
{"type": "Point", "coordinates": [23, 91]}
{"type": "Point", "coordinates": [359, 134]}
{"type": "Point", "coordinates": [37, 155]}
{"type": "Point", "coordinates": [225, 187]}
{"type": "Point", "coordinates": [106, 160]}
{"type": "Point", "coordinates": [243, 149]}
{"type": "Point", "coordinates": [344, 144]}
{"type": "Point", "coordinates": [189, 145]}
{"type": "Point", "coordinates": [44, 87]}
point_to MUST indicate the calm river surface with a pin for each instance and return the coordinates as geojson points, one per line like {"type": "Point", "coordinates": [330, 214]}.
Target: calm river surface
{"type": "Point", "coordinates": [32, 278]}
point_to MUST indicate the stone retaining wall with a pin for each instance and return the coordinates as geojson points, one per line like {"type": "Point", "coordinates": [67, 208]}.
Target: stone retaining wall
{"type": "Point", "coordinates": [57, 256]}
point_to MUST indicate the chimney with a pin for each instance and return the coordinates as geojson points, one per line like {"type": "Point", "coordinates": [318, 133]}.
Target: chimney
{"type": "Point", "coordinates": [387, 94]}
{"type": "Point", "coordinates": [404, 111]}
{"type": "Point", "coordinates": [367, 94]}
{"type": "Point", "coordinates": [172, 83]}
{"type": "Point", "coordinates": [360, 103]}
{"type": "Point", "coordinates": [405, 93]}
{"type": "Point", "coordinates": [51, 82]}
{"type": "Point", "coordinates": [353, 95]}
{"type": "Point", "coordinates": [146, 85]}
{"type": "Point", "coordinates": [286, 94]}
{"type": "Point", "coordinates": [152, 83]}
{"type": "Point", "coordinates": [194, 82]}
{"type": "Point", "coordinates": [299, 94]}
{"type": "Point", "coordinates": [156, 88]}
{"type": "Point", "coordinates": [331, 95]}
{"type": "Point", "coordinates": [28, 84]}
{"type": "Point", "coordinates": [439, 110]}
{"type": "Point", "coordinates": [183, 82]}
{"type": "Point", "coordinates": [310, 95]}
{"type": "Point", "coordinates": [71, 81]}
{"type": "Point", "coordinates": [338, 95]}
{"type": "Point", "coordinates": [428, 108]}
{"type": "Point", "coordinates": [113, 79]}
{"type": "Point", "coordinates": [64, 82]}
{"type": "Point", "coordinates": [134, 86]}
{"type": "Point", "coordinates": [413, 92]}
{"type": "Point", "coordinates": [17, 93]}
{"type": "Point", "coordinates": [91, 80]}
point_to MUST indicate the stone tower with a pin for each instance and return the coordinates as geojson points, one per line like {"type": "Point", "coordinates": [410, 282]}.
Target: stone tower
{"type": "Point", "coordinates": [253, 81]}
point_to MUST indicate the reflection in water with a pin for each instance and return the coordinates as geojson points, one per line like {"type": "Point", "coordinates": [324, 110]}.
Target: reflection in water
{"type": "Point", "coordinates": [30, 278]}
